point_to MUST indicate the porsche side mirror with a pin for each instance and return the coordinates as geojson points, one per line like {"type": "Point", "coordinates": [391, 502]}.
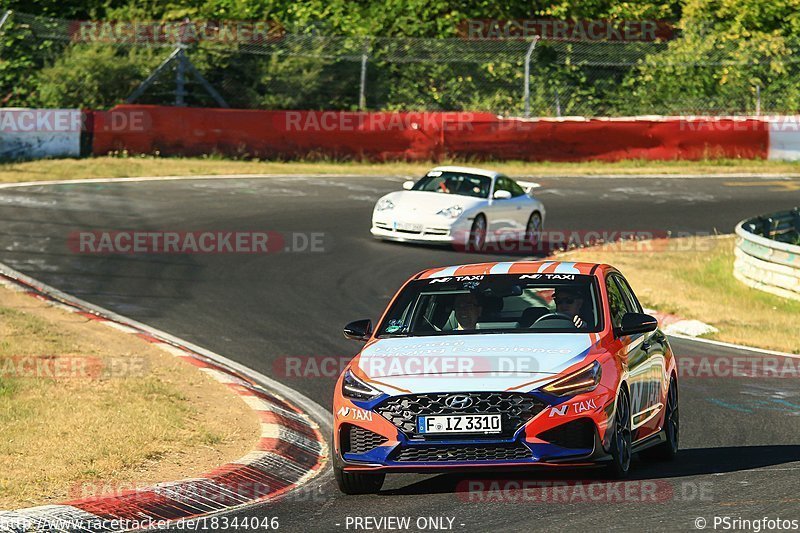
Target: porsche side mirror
{"type": "Point", "coordinates": [636, 323]}
{"type": "Point", "coordinates": [502, 195]}
{"type": "Point", "coordinates": [360, 330]}
{"type": "Point", "coordinates": [408, 185]}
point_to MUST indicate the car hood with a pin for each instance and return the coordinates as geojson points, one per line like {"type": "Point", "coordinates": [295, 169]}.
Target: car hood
{"type": "Point", "coordinates": [515, 361]}
{"type": "Point", "coordinates": [430, 202]}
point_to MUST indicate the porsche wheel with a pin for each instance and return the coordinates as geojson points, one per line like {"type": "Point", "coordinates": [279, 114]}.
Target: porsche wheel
{"type": "Point", "coordinates": [477, 234]}
{"type": "Point", "coordinates": [533, 230]}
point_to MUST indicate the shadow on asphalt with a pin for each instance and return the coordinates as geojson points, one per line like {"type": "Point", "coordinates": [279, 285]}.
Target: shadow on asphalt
{"type": "Point", "coordinates": [690, 462]}
{"type": "Point", "coordinates": [510, 248]}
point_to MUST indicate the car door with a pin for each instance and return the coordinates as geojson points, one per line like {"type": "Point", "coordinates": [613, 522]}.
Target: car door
{"type": "Point", "coordinates": [646, 367]}
{"type": "Point", "coordinates": [523, 205]}
{"type": "Point", "coordinates": [502, 211]}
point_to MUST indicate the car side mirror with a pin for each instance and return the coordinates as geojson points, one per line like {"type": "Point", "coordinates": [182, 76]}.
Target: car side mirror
{"type": "Point", "coordinates": [360, 330]}
{"type": "Point", "coordinates": [637, 323]}
{"type": "Point", "coordinates": [408, 185]}
{"type": "Point", "coordinates": [502, 195]}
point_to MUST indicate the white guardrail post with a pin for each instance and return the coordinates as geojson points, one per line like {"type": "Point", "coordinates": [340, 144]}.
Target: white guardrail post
{"type": "Point", "coordinates": [765, 263]}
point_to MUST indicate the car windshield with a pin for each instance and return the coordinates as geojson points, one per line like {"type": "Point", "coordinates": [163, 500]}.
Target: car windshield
{"type": "Point", "coordinates": [495, 303]}
{"type": "Point", "coordinates": [454, 183]}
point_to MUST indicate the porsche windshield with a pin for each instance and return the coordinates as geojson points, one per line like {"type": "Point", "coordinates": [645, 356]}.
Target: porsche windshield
{"type": "Point", "coordinates": [455, 183]}
{"type": "Point", "coordinates": [499, 303]}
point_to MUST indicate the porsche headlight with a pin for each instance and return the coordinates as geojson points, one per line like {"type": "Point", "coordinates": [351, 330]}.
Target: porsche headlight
{"type": "Point", "coordinates": [584, 380]}
{"type": "Point", "coordinates": [384, 204]}
{"type": "Point", "coordinates": [355, 389]}
{"type": "Point", "coordinates": [451, 212]}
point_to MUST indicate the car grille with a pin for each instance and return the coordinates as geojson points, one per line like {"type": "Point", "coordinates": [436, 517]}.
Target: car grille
{"type": "Point", "coordinates": [516, 409]}
{"type": "Point", "coordinates": [356, 439]}
{"type": "Point", "coordinates": [450, 453]}
{"type": "Point", "coordinates": [576, 434]}
{"type": "Point", "coordinates": [426, 230]}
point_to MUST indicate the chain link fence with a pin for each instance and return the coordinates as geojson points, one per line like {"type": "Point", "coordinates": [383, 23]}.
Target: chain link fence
{"type": "Point", "coordinates": [61, 63]}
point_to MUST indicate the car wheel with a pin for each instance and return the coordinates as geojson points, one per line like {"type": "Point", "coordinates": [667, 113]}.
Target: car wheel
{"type": "Point", "coordinates": [477, 235]}
{"type": "Point", "coordinates": [621, 443]}
{"type": "Point", "coordinates": [358, 482]}
{"type": "Point", "coordinates": [667, 450]}
{"type": "Point", "coordinates": [533, 230]}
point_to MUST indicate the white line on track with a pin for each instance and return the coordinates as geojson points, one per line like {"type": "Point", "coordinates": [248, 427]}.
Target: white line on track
{"type": "Point", "coordinates": [755, 175]}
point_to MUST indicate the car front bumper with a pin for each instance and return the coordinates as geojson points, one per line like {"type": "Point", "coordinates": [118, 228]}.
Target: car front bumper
{"type": "Point", "coordinates": [440, 235]}
{"type": "Point", "coordinates": [549, 439]}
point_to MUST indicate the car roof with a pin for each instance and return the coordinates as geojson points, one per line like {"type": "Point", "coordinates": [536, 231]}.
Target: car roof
{"type": "Point", "coordinates": [517, 267]}
{"type": "Point", "coordinates": [469, 170]}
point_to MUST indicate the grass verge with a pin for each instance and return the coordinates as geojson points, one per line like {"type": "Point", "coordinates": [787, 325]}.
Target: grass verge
{"type": "Point", "coordinates": [693, 278]}
{"type": "Point", "coordinates": [115, 167]}
{"type": "Point", "coordinates": [87, 410]}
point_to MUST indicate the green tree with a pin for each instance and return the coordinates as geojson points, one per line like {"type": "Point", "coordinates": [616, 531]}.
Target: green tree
{"type": "Point", "coordinates": [93, 76]}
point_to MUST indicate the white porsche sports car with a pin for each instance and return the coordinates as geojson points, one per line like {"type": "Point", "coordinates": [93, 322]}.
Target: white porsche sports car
{"type": "Point", "coordinates": [461, 206]}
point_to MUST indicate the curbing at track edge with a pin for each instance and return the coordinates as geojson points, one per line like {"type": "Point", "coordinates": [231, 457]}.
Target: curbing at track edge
{"type": "Point", "coordinates": [290, 452]}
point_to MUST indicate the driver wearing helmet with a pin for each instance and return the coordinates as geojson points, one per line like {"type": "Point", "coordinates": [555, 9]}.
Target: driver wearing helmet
{"type": "Point", "coordinates": [570, 301]}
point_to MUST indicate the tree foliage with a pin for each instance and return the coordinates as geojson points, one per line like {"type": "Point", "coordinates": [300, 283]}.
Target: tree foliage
{"type": "Point", "coordinates": [729, 54]}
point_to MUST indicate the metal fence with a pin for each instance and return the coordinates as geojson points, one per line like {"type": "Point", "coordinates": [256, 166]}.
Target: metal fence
{"type": "Point", "coordinates": [768, 253]}
{"type": "Point", "coordinates": [55, 62]}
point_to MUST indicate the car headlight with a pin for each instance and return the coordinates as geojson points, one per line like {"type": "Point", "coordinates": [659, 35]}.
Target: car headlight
{"type": "Point", "coordinates": [355, 389]}
{"type": "Point", "coordinates": [451, 212]}
{"type": "Point", "coordinates": [584, 380]}
{"type": "Point", "coordinates": [384, 204]}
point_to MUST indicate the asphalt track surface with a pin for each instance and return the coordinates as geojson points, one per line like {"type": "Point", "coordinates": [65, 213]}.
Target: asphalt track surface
{"type": "Point", "coordinates": [740, 438]}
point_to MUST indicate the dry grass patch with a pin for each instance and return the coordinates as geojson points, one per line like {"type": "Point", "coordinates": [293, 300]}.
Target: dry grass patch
{"type": "Point", "coordinates": [111, 412]}
{"type": "Point", "coordinates": [114, 167]}
{"type": "Point", "coordinates": [693, 278]}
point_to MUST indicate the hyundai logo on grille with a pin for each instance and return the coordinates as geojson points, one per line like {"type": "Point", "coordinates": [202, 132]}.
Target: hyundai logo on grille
{"type": "Point", "coordinates": [458, 401]}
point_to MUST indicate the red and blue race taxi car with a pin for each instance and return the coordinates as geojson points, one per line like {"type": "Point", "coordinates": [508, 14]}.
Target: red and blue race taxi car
{"type": "Point", "coordinates": [505, 365]}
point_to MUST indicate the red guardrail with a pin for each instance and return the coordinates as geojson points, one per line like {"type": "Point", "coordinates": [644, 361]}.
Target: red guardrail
{"type": "Point", "coordinates": [419, 135]}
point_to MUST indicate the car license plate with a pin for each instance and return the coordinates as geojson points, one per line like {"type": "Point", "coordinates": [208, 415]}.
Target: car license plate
{"type": "Point", "coordinates": [439, 424]}
{"type": "Point", "coordinates": [406, 226]}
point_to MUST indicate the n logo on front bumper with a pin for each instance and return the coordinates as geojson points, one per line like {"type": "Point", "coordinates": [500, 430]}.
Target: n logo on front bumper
{"type": "Point", "coordinates": [563, 410]}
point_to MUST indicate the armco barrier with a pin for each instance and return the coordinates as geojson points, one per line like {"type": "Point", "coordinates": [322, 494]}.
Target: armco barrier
{"type": "Point", "coordinates": [762, 261]}
{"type": "Point", "coordinates": [275, 134]}
{"type": "Point", "coordinates": [39, 133]}
{"type": "Point", "coordinates": [610, 139]}
{"type": "Point", "coordinates": [420, 135]}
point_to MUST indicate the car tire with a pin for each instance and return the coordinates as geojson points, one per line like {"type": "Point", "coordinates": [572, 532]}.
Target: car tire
{"type": "Point", "coordinates": [533, 229]}
{"type": "Point", "coordinates": [358, 482]}
{"type": "Point", "coordinates": [621, 440]}
{"type": "Point", "coordinates": [667, 450]}
{"type": "Point", "coordinates": [477, 235]}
